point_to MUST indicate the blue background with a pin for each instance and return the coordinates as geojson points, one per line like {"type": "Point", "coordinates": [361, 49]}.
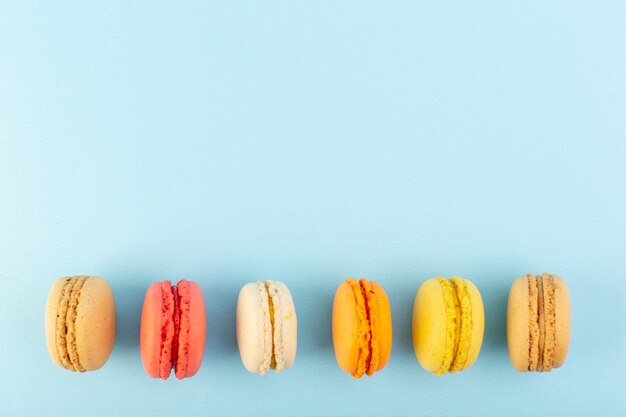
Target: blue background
{"type": "Point", "coordinates": [309, 142]}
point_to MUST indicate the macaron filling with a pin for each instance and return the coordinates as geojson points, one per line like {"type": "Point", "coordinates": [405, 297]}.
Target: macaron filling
{"type": "Point", "coordinates": [464, 329]}
{"type": "Point", "coordinates": [451, 304]}
{"type": "Point", "coordinates": [273, 297]}
{"type": "Point", "coordinates": [458, 308]}
{"type": "Point", "coordinates": [374, 318]}
{"type": "Point", "coordinates": [273, 325]}
{"type": "Point", "coordinates": [183, 326]}
{"type": "Point", "coordinates": [368, 327]}
{"type": "Point", "coordinates": [533, 323]}
{"type": "Point", "coordinates": [174, 329]}
{"type": "Point", "coordinates": [549, 344]}
{"type": "Point", "coordinates": [273, 349]}
{"type": "Point", "coordinates": [266, 361]}
{"type": "Point", "coordinates": [66, 323]}
{"type": "Point", "coordinates": [363, 329]}
{"type": "Point", "coordinates": [541, 324]}
{"type": "Point", "coordinates": [168, 329]}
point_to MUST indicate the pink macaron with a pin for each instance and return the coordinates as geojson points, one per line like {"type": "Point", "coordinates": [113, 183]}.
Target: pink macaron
{"type": "Point", "coordinates": [173, 329]}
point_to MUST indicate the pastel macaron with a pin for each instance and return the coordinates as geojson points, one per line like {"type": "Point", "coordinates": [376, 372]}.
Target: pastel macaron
{"type": "Point", "coordinates": [361, 327]}
{"type": "Point", "coordinates": [448, 324]}
{"type": "Point", "coordinates": [80, 322]}
{"type": "Point", "coordinates": [267, 326]}
{"type": "Point", "coordinates": [173, 329]}
{"type": "Point", "coordinates": [538, 323]}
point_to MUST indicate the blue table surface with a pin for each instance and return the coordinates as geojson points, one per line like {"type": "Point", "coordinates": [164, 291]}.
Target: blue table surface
{"type": "Point", "coordinates": [309, 142]}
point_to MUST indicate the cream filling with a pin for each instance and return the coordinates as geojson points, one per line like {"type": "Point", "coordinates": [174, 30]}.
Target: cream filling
{"type": "Point", "coordinates": [70, 338]}
{"type": "Point", "coordinates": [452, 317]}
{"type": "Point", "coordinates": [60, 323]}
{"type": "Point", "coordinates": [363, 332]}
{"type": "Point", "coordinates": [540, 322]}
{"type": "Point", "coordinates": [373, 315]}
{"type": "Point", "coordinates": [549, 343]}
{"type": "Point", "coordinates": [464, 328]}
{"type": "Point", "coordinates": [65, 323]}
{"type": "Point", "coordinates": [278, 358]}
{"type": "Point", "coordinates": [266, 362]}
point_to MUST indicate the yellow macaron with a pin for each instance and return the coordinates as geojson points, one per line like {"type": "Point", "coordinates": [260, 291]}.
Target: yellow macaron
{"type": "Point", "coordinates": [448, 324]}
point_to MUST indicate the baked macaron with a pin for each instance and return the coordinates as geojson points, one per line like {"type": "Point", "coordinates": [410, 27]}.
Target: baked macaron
{"type": "Point", "coordinates": [361, 327]}
{"type": "Point", "coordinates": [267, 326]}
{"type": "Point", "coordinates": [173, 329]}
{"type": "Point", "coordinates": [538, 323]}
{"type": "Point", "coordinates": [80, 322]}
{"type": "Point", "coordinates": [448, 324]}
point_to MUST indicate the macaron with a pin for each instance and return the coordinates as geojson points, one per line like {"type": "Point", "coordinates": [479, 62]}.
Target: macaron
{"type": "Point", "coordinates": [80, 322]}
{"type": "Point", "coordinates": [267, 326]}
{"type": "Point", "coordinates": [362, 330]}
{"type": "Point", "coordinates": [448, 324]}
{"type": "Point", "coordinates": [173, 329]}
{"type": "Point", "coordinates": [538, 322]}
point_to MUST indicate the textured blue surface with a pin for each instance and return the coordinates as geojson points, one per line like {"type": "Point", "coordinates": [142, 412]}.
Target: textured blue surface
{"type": "Point", "coordinates": [309, 142]}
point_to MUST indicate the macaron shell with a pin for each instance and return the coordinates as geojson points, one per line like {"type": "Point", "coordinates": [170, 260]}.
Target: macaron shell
{"type": "Point", "coordinates": [150, 333]}
{"type": "Point", "coordinates": [345, 328]}
{"type": "Point", "coordinates": [517, 319]}
{"type": "Point", "coordinates": [194, 340]}
{"type": "Point", "coordinates": [289, 326]}
{"type": "Point", "coordinates": [562, 320]}
{"type": "Point", "coordinates": [93, 326]}
{"type": "Point", "coordinates": [51, 312]}
{"type": "Point", "coordinates": [95, 323]}
{"type": "Point", "coordinates": [478, 323]}
{"type": "Point", "coordinates": [453, 316]}
{"type": "Point", "coordinates": [385, 333]}
{"type": "Point", "coordinates": [252, 326]}
{"type": "Point", "coordinates": [429, 325]}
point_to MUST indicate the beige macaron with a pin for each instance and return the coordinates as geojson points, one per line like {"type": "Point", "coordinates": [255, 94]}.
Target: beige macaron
{"type": "Point", "coordinates": [80, 322]}
{"type": "Point", "coordinates": [538, 323]}
{"type": "Point", "coordinates": [267, 326]}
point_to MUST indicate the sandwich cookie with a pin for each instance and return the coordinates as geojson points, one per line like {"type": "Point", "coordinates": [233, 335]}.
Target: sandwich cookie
{"type": "Point", "coordinates": [80, 322]}
{"type": "Point", "coordinates": [448, 324]}
{"type": "Point", "coordinates": [538, 323]}
{"type": "Point", "coordinates": [173, 329]}
{"type": "Point", "coordinates": [361, 327]}
{"type": "Point", "coordinates": [267, 327]}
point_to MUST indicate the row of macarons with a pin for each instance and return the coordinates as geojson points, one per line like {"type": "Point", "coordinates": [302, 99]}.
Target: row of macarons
{"type": "Point", "coordinates": [448, 325]}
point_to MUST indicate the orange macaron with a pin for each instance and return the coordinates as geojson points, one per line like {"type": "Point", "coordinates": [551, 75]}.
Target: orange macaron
{"type": "Point", "coordinates": [173, 328]}
{"type": "Point", "coordinates": [362, 330]}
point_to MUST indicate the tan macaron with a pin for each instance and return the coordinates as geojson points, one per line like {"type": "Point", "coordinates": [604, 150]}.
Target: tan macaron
{"type": "Point", "coordinates": [538, 323]}
{"type": "Point", "coordinates": [80, 322]}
